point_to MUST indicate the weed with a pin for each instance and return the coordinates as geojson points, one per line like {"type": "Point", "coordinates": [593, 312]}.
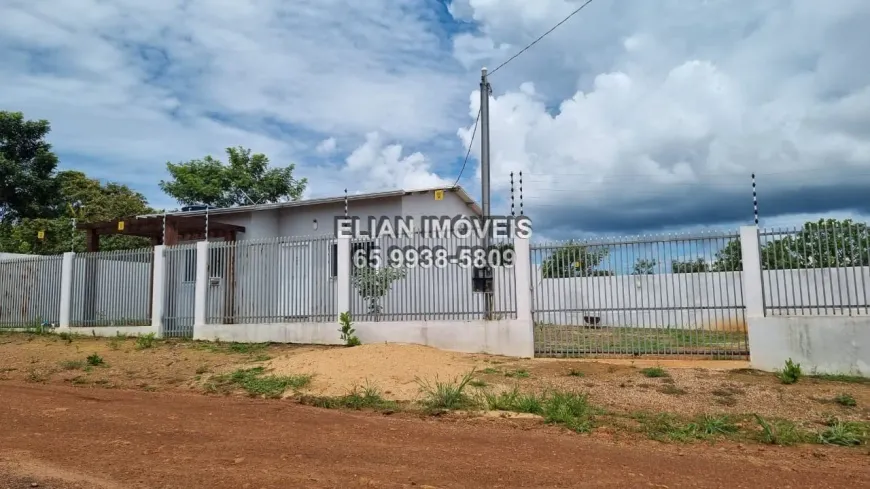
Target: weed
{"type": "Point", "coordinates": [145, 342]}
{"type": "Point", "coordinates": [569, 409]}
{"type": "Point", "coordinates": [261, 358]}
{"type": "Point", "coordinates": [791, 373]}
{"type": "Point", "coordinates": [844, 433]}
{"type": "Point", "coordinates": [576, 373]}
{"type": "Point", "coordinates": [514, 401]}
{"type": "Point", "coordinates": [673, 390]}
{"type": "Point", "coordinates": [490, 371]}
{"type": "Point", "coordinates": [95, 360]}
{"type": "Point", "coordinates": [256, 384]}
{"type": "Point", "coordinates": [37, 375]}
{"type": "Point", "coordinates": [246, 348]}
{"type": "Point", "coordinates": [446, 395]}
{"type": "Point", "coordinates": [477, 383]}
{"type": "Point", "coordinates": [708, 425]}
{"type": "Point", "coordinates": [851, 379]}
{"type": "Point", "coordinates": [72, 365]}
{"type": "Point", "coordinates": [347, 331]}
{"type": "Point", "coordinates": [654, 372]}
{"type": "Point", "coordinates": [666, 427]}
{"type": "Point", "coordinates": [845, 400]}
{"type": "Point", "coordinates": [520, 374]}
{"type": "Point", "coordinates": [360, 397]}
{"type": "Point", "coordinates": [66, 336]}
{"type": "Point", "coordinates": [780, 432]}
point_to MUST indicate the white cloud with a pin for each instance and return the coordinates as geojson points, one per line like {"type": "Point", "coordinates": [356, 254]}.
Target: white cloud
{"type": "Point", "coordinates": [327, 146]}
{"type": "Point", "coordinates": [691, 101]}
{"type": "Point", "coordinates": [633, 114]}
{"type": "Point", "coordinates": [382, 166]}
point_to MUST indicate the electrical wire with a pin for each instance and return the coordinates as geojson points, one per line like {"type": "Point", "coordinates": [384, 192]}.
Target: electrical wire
{"type": "Point", "coordinates": [572, 14]}
{"type": "Point", "coordinates": [470, 145]}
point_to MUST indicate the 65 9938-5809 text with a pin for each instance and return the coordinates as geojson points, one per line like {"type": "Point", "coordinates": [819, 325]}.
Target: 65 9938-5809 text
{"type": "Point", "coordinates": [434, 257]}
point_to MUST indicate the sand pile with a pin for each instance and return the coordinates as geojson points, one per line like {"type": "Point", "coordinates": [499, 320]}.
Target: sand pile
{"type": "Point", "coordinates": [393, 369]}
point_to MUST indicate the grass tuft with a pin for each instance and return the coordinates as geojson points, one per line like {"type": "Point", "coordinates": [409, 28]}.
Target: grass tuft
{"type": "Point", "coordinates": [256, 384]}
{"type": "Point", "coordinates": [72, 365]}
{"type": "Point", "coordinates": [845, 433]}
{"type": "Point", "coordinates": [95, 360]}
{"type": "Point", "coordinates": [448, 395]}
{"type": "Point", "coordinates": [780, 432]}
{"type": "Point", "coordinates": [845, 400]}
{"type": "Point", "coordinates": [654, 372]}
{"type": "Point", "coordinates": [519, 374]}
{"type": "Point", "coordinates": [145, 342]}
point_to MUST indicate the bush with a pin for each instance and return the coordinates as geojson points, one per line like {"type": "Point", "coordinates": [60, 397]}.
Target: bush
{"type": "Point", "coordinates": [347, 331]}
{"type": "Point", "coordinates": [95, 360]}
{"type": "Point", "coordinates": [791, 373]}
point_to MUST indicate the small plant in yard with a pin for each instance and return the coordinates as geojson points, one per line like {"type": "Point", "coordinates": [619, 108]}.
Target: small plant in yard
{"type": "Point", "coordinates": [520, 374]}
{"type": "Point", "coordinates": [375, 283]}
{"type": "Point", "coordinates": [347, 331]}
{"type": "Point", "coordinates": [569, 409]}
{"type": "Point", "coordinates": [654, 372]}
{"type": "Point", "coordinates": [446, 395]}
{"type": "Point", "coordinates": [256, 384]}
{"type": "Point", "coordinates": [490, 371]}
{"type": "Point", "coordinates": [791, 373]}
{"type": "Point", "coordinates": [72, 365]}
{"type": "Point", "coordinates": [845, 433]}
{"type": "Point", "coordinates": [146, 341]}
{"type": "Point", "coordinates": [66, 336]}
{"type": "Point", "coordinates": [780, 432]}
{"type": "Point", "coordinates": [845, 400]}
{"type": "Point", "coordinates": [95, 360]}
{"type": "Point", "coordinates": [576, 373]}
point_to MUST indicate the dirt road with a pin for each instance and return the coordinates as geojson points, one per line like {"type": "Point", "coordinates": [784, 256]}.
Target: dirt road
{"type": "Point", "coordinates": [67, 437]}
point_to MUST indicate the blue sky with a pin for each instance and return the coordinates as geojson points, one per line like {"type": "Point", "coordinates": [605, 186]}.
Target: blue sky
{"type": "Point", "coordinates": [632, 117]}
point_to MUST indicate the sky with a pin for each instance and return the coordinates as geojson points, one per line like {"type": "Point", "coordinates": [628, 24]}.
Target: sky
{"type": "Point", "coordinates": [633, 117]}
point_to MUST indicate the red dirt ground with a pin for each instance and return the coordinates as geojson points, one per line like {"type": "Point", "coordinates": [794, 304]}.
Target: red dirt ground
{"type": "Point", "coordinates": [66, 437]}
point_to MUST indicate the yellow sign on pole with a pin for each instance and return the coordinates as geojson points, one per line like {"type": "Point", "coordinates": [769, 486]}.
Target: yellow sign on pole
{"type": "Point", "coordinates": [439, 195]}
{"type": "Point", "coordinates": [40, 235]}
{"type": "Point", "coordinates": [120, 225]}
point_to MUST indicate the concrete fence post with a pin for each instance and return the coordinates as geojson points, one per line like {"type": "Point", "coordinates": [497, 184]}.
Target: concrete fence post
{"type": "Point", "coordinates": [525, 325]}
{"type": "Point", "coordinates": [342, 280]}
{"type": "Point", "coordinates": [66, 280]}
{"type": "Point", "coordinates": [201, 286]}
{"type": "Point", "coordinates": [753, 281]}
{"type": "Point", "coordinates": [157, 290]}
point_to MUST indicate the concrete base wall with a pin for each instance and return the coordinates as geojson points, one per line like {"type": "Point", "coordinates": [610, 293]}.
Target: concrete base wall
{"type": "Point", "coordinates": [509, 337]}
{"type": "Point", "coordinates": [112, 331]}
{"type": "Point", "coordinates": [821, 344]}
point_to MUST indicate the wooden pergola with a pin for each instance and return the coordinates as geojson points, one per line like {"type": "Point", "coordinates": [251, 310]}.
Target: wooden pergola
{"type": "Point", "coordinates": [177, 229]}
{"type": "Point", "coordinates": [161, 230]}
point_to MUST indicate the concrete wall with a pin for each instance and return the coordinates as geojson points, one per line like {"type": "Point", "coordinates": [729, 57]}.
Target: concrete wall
{"type": "Point", "coordinates": [692, 300]}
{"type": "Point", "coordinates": [505, 337]}
{"type": "Point", "coordinates": [821, 344]}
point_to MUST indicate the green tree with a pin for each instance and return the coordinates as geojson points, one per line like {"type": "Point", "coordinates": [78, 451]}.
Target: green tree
{"type": "Point", "coordinates": [696, 266]}
{"type": "Point", "coordinates": [94, 201]}
{"type": "Point", "coordinates": [644, 267]}
{"type": "Point", "coordinates": [244, 180]}
{"type": "Point", "coordinates": [27, 164]}
{"type": "Point", "coordinates": [575, 260]}
{"type": "Point", "coordinates": [374, 283]}
{"type": "Point", "coordinates": [729, 258]}
{"type": "Point", "coordinates": [821, 244]}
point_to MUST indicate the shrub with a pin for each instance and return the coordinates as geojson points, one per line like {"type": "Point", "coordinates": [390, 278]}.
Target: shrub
{"type": "Point", "coordinates": [95, 360]}
{"type": "Point", "coordinates": [347, 331]}
{"type": "Point", "coordinates": [791, 373]}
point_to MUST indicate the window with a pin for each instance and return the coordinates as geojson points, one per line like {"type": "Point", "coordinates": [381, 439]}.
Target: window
{"type": "Point", "coordinates": [367, 245]}
{"type": "Point", "coordinates": [215, 264]}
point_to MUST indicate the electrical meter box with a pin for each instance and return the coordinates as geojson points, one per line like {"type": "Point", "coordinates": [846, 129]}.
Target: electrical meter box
{"type": "Point", "coordinates": [481, 280]}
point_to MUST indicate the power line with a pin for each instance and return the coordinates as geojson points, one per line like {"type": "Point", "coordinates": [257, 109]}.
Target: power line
{"type": "Point", "coordinates": [542, 36]}
{"type": "Point", "coordinates": [470, 144]}
{"type": "Point", "coordinates": [607, 176]}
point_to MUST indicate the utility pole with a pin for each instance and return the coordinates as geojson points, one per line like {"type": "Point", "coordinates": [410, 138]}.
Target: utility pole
{"type": "Point", "coordinates": [485, 90]}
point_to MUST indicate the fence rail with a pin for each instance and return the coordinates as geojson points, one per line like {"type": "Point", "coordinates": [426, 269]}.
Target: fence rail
{"type": "Point", "coordinates": [275, 280]}
{"type": "Point", "coordinates": [112, 288]}
{"type": "Point", "coordinates": [424, 277]}
{"type": "Point", "coordinates": [659, 295]}
{"type": "Point", "coordinates": [819, 269]}
{"type": "Point", "coordinates": [29, 291]}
